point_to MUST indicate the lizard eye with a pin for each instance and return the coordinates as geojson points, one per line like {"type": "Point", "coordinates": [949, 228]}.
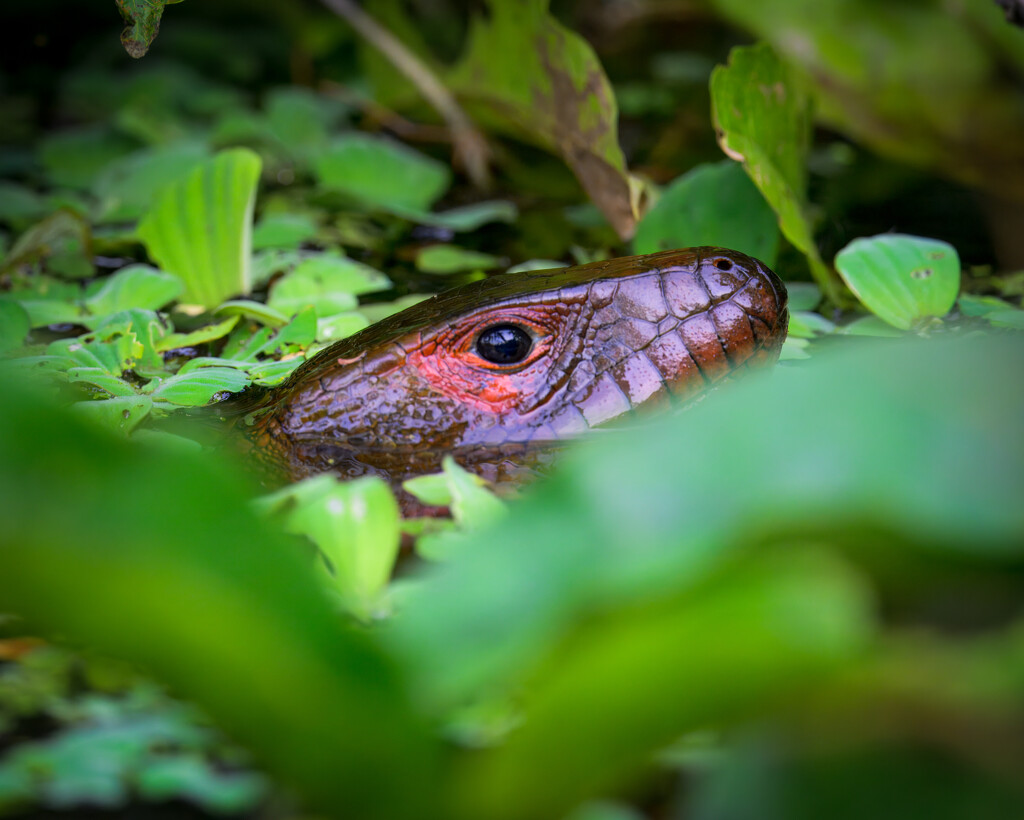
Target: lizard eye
{"type": "Point", "coordinates": [503, 344]}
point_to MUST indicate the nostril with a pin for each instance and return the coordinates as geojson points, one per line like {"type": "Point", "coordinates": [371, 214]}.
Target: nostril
{"type": "Point", "coordinates": [723, 264]}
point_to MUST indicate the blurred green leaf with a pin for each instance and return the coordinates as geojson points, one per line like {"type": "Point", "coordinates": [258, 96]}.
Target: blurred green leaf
{"type": "Point", "coordinates": [142, 22]}
{"type": "Point", "coordinates": [200, 228]}
{"type": "Point", "coordinates": [523, 73]}
{"type": "Point", "coordinates": [803, 295]}
{"type": "Point", "coordinates": [772, 627]}
{"type": "Point", "coordinates": [199, 387]}
{"type": "Point", "coordinates": [156, 557]}
{"type": "Point", "coordinates": [75, 158]}
{"type": "Point", "coordinates": [19, 204]}
{"type": "Point", "coordinates": [381, 310]}
{"type": "Point", "coordinates": [383, 173]}
{"type": "Point", "coordinates": [195, 780]}
{"type": "Point", "coordinates": [864, 450]}
{"type": "Point", "coordinates": [973, 305]}
{"type": "Point", "coordinates": [471, 217]}
{"type": "Point", "coordinates": [136, 286]}
{"type": "Point", "coordinates": [100, 378]}
{"type": "Point", "coordinates": [128, 187]}
{"type": "Point", "coordinates": [63, 237]}
{"type": "Point", "coordinates": [763, 119]}
{"type": "Point", "coordinates": [14, 325]}
{"type": "Point", "coordinates": [330, 283]}
{"type": "Point", "coordinates": [447, 259]}
{"type": "Point", "coordinates": [340, 325]}
{"type": "Point", "coordinates": [301, 120]}
{"type": "Point", "coordinates": [354, 526]}
{"type": "Point", "coordinates": [803, 324]}
{"type": "Point", "coordinates": [1007, 318]}
{"type": "Point", "coordinates": [904, 280]}
{"type": "Point", "coordinates": [711, 205]}
{"type": "Point", "coordinates": [287, 231]}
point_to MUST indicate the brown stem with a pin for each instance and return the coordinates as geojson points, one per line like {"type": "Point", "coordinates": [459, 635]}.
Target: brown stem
{"type": "Point", "coordinates": [471, 148]}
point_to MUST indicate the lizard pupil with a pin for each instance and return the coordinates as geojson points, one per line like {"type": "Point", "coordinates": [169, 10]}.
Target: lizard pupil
{"type": "Point", "coordinates": [504, 344]}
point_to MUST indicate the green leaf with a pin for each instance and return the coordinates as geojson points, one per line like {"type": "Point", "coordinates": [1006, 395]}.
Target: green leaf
{"type": "Point", "coordinates": [287, 231]}
{"type": "Point", "coordinates": [381, 310]}
{"type": "Point", "coordinates": [1007, 318]}
{"type": "Point", "coordinates": [157, 558]}
{"type": "Point", "coordinates": [200, 228]}
{"type": "Point", "coordinates": [128, 187]}
{"type": "Point", "coordinates": [355, 527]}
{"type": "Point", "coordinates": [447, 259]}
{"type": "Point", "coordinates": [803, 295]}
{"type": "Point", "coordinates": [301, 120]}
{"type": "Point", "coordinates": [142, 23]}
{"type": "Point", "coordinates": [136, 286]}
{"type": "Point", "coordinates": [257, 311]}
{"type": "Point", "coordinates": [75, 158]}
{"type": "Point", "coordinates": [774, 627]}
{"type": "Point", "coordinates": [120, 413]}
{"type": "Point", "coordinates": [973, 305]}
{"type": "Point", "coordinates": [332, 328]}
{"type": "Point", "coordinates": [19, 204]}
{"type": "Point", "coordinates": [14, 325]}
{"type": "Point", "coordinates": [269, 374]}
{"type": "Point", "coordinates": [63, 238]}
{"type": "Point", "coordinates": [803, 324]}
{"type": "Point", "coordinates": [208, 333]}
{"type": "Point", "coordinates": [526, 75]}
{"type": "Point", "coordinates": [763, 119]}
{"type": "Point", "coordinates": [113, 353]}
{"type": "Point", "coordinates": [711, 205]}
{"type": "Point", "coordinates": [200, 387]}
{"type": "Point", "coordinates": [382, 173]}
{"type": "Point", "coordinates": [98, 377]}
{"type": "Point", "coordinates": [195, 780]}
{"type": "Point", "coordinates": [904, 280]}
{"type": "Point", "coordinates": [471, 217]}
{"type": "Point", "coordinates": [329, 283]}
{"type": "Point", "coordinates": [628, 518]}
{"type": "Point", "coordinates": [870, 326]}
{"type": "Point", "coordinates": [146, 328]}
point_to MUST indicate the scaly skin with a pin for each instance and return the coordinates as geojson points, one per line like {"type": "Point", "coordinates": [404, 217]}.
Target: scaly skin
{"type": "Point", "coordinates": [608, 337]}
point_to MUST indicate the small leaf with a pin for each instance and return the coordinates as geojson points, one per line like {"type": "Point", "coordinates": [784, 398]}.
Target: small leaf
{"type": "Point", "coordinates": [200, 387]}
{"type": "Point", "coordinates": [329, 283]}
{"type": "Point", "coordinates": [142, 23]}
{"type": "Point", "coordinates": [286, 231]}
{"type": "Point", "coordinates": [972, 305]}
{"type": "Point", "coordinates": [136, 286]}
{"type": "Point", "coordinates": [471, 217]}
{"type": "Point", "coordinates": [803, 295]}
{"type": "Point", "coordinates": [269, 374]}
{"type": "Point", "coordinates": [76, 157]}
{"type": "Point", "coordinates": [332, 328]}
{"type": "Point", "coordinates": [1007, 318]}
{"type": "Point", "coordinates": [355, 527]}
{"type": "Point", "coordinates": [870, 326]}
{"type": "Point", "coordinates": [64, 236]}
{"type": "Point", "coordinates": [256, 311]}
{"type": "Point", "coordinates": [20, 204]}
{"type": "Point", "coordinates": [904, 280]}
{"type": "Point", "coordinates": [200, 228]}
{"type": "Point", "coordinates": [711, 205]}
{"type": "Point", "coordinates": [803, 324]}
{"type": "Point", "coordinates": [14, 325]}
{"type": "Point", "coordinates": [380, 172]}
{"type": "Point", "coordinates": [105, 381]}
{"type": "Point", "coordinates": [121, 413]}
{"type": "Point", "coordinates": [209, 333]}
{"type": "Point", "coordinates": [381, 310]}
{"type": "Point", "coordinates": [763, 119]}
{"type": "Point", "coordinates": [447, 259]}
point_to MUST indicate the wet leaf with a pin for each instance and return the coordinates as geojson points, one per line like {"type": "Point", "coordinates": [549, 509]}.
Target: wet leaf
{"type": "Point", "coordinates": [711, 205]}
{"type": "Point", "coordinates": [200, 228]}
{"type": "Point", "coordinates": [904, 280]}
{"type": "Point", "coordinates": [763, 119]}
{"type": "Point", "coordinates": [526, 75]}
{"type": "Point", "coordinates": [120, 413]}
{"type": "Point", "coordinates": [199, 387]}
